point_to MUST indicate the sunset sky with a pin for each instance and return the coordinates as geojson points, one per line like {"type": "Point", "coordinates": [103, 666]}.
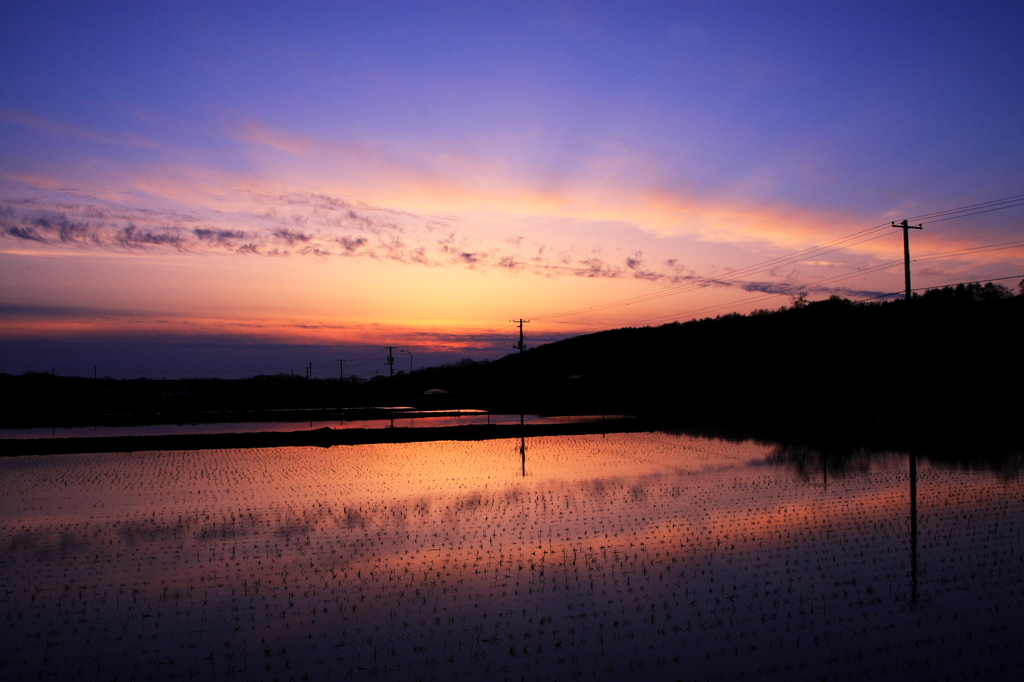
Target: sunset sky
{"type": "Point", "coordinates": [218, 189]}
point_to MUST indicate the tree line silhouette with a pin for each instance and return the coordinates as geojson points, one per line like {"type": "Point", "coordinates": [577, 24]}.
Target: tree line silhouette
{"type": "Point", "coordinates": [947, 357]}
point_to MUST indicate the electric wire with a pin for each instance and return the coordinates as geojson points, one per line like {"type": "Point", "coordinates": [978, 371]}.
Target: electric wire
{"type": "Point", "coordinates": [970, 207]}
{"type": "Point", "coordinates": [971, 250]}
{"type": "Point", "coordinates": [734, 275]}
{"type": "Point", "coordinates": [797, 288]}
{"type": "Point", "coordinates": [964, 215]}
{"type": "Point", "coordinates": [789, 291]}
{"type": "Point", "coordinates": [943, 286]}
{"type": "Point", "coordinates": [707, 281]}
{"type": "Point", "coordinates": [945, 214]}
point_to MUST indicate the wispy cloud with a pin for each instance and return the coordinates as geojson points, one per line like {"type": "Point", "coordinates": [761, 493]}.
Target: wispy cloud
{"type": "Point", "coordinates": [425, 210]}
{"type": "Point", "coordinates": [299, 223]}
{"type": "Point", "coordinates": [51, 127]}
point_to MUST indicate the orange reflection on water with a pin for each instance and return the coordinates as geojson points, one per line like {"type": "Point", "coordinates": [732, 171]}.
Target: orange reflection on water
{"type": "Point", "coordinates": [664, 550]}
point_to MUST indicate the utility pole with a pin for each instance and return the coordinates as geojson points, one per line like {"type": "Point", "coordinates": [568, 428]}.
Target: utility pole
{"type": "Point", "coordinates": [519, 379]}
{"type": "Point", "coordinates": [390, 362]}
{"type": "Point", "coordinates": [341, 371]}
{"type": "Point", "coordinates": [521, 345]}
{"type": "Point", "coordinates": [906, 250]}
{"type": "Point", "coordinates": [410, 358]}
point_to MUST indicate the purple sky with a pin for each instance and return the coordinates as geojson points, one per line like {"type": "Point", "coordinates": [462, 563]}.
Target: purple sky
{"type": "Point", "coordinates": [228, 190]}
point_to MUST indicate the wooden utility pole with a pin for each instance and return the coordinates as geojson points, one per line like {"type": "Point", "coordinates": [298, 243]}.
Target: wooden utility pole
{"type": "Point", "coordinates": [521, 345]}
{"type": "Point", "coordinates": [913, 456]}
{"type": "Point", "coordinates": [906, 250]}
{"type": "Point", "coordinates": [391, 361]}
{"type": "Point", "coordinates": [341, 371]}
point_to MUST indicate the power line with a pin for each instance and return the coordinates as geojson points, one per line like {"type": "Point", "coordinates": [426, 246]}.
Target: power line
{"type": "Point", "coordinates": [734, 275]}
{"type": "Point", "coordinates": [702, 282]}
{"type": "Point", "coordinates": [1015, 200]}
{"type": "Point", "coordinates": [964, 215]}
{"type": "Point", "coordinates": [943, 286]}
{"type": "Point", "coordinates": [971, 250]}
{"type": "Point", "coordinates": [796, 288]}
{"type": "Point", "coordinates": [819, 250]}
{"type": "Point", "coordinates": [790, 290]}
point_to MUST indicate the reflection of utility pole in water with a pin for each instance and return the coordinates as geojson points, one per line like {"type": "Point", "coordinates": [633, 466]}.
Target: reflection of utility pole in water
{"type": "Point", "coordinates": [913, 529]}
{"type": "Point", "coordinates": [391, 372]}
{"type": "Point", "coordinates": [522, 452]}
{"type": "Point", "coordinates": [522, 442]}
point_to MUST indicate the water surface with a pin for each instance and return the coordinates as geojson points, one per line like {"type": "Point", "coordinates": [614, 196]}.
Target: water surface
{"type": "Point", "coordinates": [626, 556]}
{"type": "Point", "coordinates": [408, 419]}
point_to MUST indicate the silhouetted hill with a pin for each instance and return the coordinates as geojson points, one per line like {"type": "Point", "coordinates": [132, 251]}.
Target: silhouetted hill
{"type": "Point", "coordinates": [948, 358]}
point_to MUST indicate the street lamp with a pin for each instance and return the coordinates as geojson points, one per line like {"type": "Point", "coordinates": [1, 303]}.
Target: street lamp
{"type": "Point", "coordinates": [410, 358]}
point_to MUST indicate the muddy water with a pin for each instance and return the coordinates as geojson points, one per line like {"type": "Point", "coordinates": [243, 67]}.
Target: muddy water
{"type": "Point", "coordinates": [627, 556]}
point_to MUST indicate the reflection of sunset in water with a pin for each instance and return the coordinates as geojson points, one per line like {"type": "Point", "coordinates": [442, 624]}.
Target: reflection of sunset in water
{"type": "Point", "coordinates": [647, 554]}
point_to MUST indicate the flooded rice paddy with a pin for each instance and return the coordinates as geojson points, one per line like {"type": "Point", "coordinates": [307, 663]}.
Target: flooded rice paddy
{"type": "Point", "coordinates": [644, 556]}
